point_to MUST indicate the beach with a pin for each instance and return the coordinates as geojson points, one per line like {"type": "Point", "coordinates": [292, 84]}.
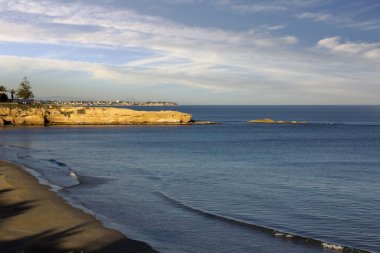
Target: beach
{"type": "Point", "coordinates": [35, 219]}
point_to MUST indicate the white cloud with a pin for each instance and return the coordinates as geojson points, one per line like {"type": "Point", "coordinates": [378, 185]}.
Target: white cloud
{"type": "Point", "coordinates": [373, 54]}
{"type": "Point", "coordinates": [276, 27]}
{"type": "Point", "coordinates": [290, 40]}
{"type": "Point", "coordinates": [366, 50]}
{"type": "Point", "coordinates": [316, 16]}
{"type": "Point", "coordinates": [182, 1]}
{"type": "Point", "coordinates": [254, 8]}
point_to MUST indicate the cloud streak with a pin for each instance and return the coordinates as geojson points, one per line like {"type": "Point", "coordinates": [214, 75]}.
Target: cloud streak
{"type": "Point", "coordinates": [342, 21]}
{"type": "Point", "coordinates": [242, 7]}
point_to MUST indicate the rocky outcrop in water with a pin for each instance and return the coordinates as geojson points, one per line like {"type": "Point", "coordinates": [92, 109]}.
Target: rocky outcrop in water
{"type": "Point", "coordinates": [271, 121]}
{"type": "Point", "coordinates": [56, 115]}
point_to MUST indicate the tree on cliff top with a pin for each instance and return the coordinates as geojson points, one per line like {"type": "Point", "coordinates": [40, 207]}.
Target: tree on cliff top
{"type": "Point", "coordinates": [25, 89]}
{"type": "Point", "coordinates": [13, 92]}
{"type": "Point", "coordinates": [3, 89]}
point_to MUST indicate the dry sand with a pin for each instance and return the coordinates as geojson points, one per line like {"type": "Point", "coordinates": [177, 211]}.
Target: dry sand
{"type": "Point", "coordinates": [34, 219]}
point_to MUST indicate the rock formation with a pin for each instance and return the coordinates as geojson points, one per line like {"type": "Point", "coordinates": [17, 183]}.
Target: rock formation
{"type": "Point", "coordinates": [271, 121]}
{"type": "Point", "coordinates": [56, 115]}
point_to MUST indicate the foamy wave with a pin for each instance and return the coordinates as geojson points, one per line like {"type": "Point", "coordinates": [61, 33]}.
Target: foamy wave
{"type": "Point", "coordinates": [345, 124]}
{"type": "Point", "coordinates": [67, 176]}
{"type": "Point", "coordinates": [48, 171]}
{"type": "Point", "coordinates": [332, 246]}
{"type": "Point", "coordinates": [72, 173]}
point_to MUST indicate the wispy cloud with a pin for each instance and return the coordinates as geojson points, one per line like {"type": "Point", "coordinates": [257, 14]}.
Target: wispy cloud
{"type": "Point", "coordinates": [276, 27]}
{"type": "Point", "coordinates": [200, 49]}
{"type": "Point", "coordinates": [112, 27]}
{"type": "Point", "coordinates": [254, 8]}
{"type": "Point", "coordinates": [243, 7]}
{"type": "Point", "coordinates": [342, 21]}
{"type": "Point", "coordinates": [251, 7]}
{"type": "Point", "coordinates": [182, 1]}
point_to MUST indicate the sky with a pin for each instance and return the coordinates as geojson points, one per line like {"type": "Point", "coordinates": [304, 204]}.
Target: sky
{"type": "Point", "coordinates": [281, 52]}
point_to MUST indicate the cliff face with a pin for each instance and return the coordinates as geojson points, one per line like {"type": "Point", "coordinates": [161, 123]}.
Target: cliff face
{"type": "Point", "coordinates": [20, 115]}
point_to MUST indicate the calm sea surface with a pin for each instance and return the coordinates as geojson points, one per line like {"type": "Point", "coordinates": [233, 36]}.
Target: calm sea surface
{"type": "Point", "coordinates": [216, 188]}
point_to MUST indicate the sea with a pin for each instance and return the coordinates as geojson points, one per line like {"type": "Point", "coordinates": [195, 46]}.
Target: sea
{"type": "Point", "coordinates": [228, 187]}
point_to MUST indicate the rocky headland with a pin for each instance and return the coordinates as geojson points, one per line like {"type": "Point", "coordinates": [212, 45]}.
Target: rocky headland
{"type": "Point", "coordinates": [59, 115]}
{"type": "Point", "coordinates": [271, 121]}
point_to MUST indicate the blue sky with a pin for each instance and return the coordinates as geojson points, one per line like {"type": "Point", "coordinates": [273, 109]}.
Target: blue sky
{"type": "Point", "coordinates": [195, 51]}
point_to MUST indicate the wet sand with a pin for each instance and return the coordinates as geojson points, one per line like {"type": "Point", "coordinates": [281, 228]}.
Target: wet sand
{"type": "Point", "coordinates": [34, 219]}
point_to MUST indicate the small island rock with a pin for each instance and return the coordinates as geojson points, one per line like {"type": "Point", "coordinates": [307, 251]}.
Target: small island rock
{"type": "Point", "coordinates": [271, 121]}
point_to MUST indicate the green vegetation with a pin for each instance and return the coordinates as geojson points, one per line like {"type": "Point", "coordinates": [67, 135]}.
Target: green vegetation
{"type": "Point", "coordinates": [23, 92]}
{"type": "Point", "coordinates": [81, 111]}
{"type": "Point", "coordinates": [25, 89]}
{"type": "Point", "coordinates": [3, 89]}
{"type": "Point", "coordinates": [21, 106]}
{"type": "Point", "coordinates": [8, 104]}
{"type": "Point", "coordinates": [67, 113]}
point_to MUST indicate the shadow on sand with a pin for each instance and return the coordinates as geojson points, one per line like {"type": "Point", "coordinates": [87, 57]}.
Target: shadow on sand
{"type": "Point", "coordinates": [49, 241]}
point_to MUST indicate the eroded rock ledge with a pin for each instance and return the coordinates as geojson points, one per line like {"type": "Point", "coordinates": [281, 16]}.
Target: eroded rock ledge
{"type": "Point", "coordinates": [56, 115]}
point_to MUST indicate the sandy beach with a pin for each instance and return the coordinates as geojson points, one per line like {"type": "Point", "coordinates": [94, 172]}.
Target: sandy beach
{"type": "Point", "coordinates": [35, 219]}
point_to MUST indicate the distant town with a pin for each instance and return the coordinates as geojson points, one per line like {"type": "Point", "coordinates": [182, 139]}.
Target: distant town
{"type": "Point", "coordinates": [104, 103]}
{"type": "Point", "coordinates": [24, 95]}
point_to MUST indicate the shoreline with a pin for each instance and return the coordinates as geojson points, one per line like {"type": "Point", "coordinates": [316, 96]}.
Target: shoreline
{"type": "Point", "coordinates": [35, 219]}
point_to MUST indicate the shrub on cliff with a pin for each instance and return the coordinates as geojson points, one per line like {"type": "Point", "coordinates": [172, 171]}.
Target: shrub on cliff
{"type": "Point", "coordinates": [3, 97]}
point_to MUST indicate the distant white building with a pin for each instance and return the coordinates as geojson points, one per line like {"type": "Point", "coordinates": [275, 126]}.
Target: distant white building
{"type": "Point", "coordinates": [25, 101]}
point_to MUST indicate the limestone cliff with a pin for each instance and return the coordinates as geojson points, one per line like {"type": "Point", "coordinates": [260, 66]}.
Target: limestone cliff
{"type": "Point", "coordinates": [44, 115]}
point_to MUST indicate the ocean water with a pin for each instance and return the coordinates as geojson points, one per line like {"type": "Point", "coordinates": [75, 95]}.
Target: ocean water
{"type": "Point", "coordinates": [229, 187]}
